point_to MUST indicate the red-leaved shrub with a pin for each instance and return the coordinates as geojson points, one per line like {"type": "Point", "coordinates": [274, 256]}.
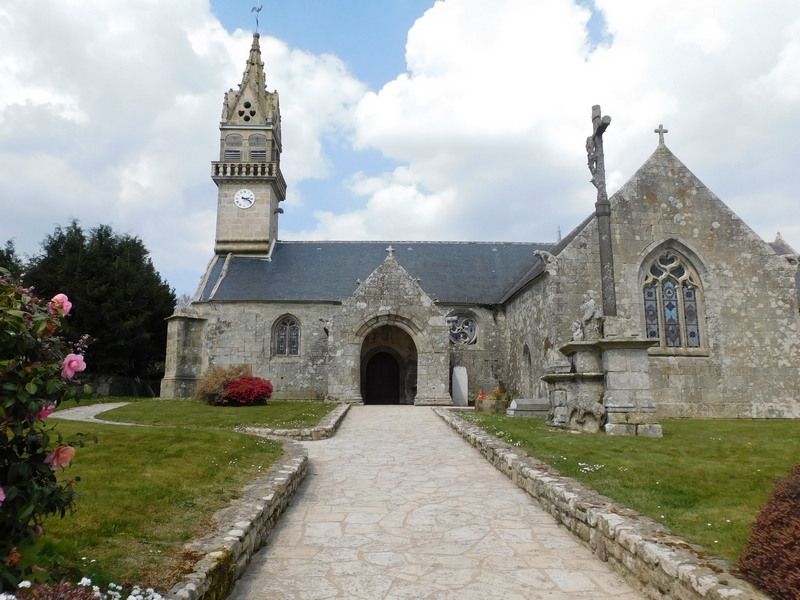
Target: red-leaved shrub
{"type": "Point", "coordinates": [247, 390]}
{"type": "Point", "coordinates": [771, 558]}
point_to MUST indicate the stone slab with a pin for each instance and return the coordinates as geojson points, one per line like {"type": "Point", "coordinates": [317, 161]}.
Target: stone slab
{"type": "Point", "coordinates": [460, 387]}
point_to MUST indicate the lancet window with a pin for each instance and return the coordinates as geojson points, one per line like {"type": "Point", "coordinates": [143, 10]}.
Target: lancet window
{"type": "Point", "coordinates": [287, 337]}
{"type": "Point", "coordinates": [672, 293]}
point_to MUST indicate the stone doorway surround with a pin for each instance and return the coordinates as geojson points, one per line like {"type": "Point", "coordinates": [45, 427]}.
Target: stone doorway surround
{"type": "Point", "coordinates": [389, 300]}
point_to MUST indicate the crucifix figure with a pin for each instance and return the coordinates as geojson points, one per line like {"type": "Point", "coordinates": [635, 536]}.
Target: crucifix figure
{"type": "Point", "coordinates": [597, 167]}
{"type": "Point", "coordinates": [660, 131]}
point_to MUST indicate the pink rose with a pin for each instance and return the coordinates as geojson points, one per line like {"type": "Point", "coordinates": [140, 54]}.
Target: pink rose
{"type": "Point", "coordinates": [60, 302]}
{"type": "Point", "coordinates": [2, 496]}
{"type": "Point", "coordinates": [72, 364]}
{"type": "Point", "coordinates": [60, 457]}
{"type": "Point", "coordinates": [45, 412]}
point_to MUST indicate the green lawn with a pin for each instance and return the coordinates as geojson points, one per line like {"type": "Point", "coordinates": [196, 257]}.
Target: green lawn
{"type": "Point", "coordinates": [193, 413]}
{"type": "Point", "coordinates": [705, 480]}
{"type": "Point", "coordinates": [146, 491]}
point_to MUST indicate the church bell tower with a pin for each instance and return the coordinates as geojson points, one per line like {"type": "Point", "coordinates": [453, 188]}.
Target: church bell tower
{"type": "Point", "coordinates": [248, 172]}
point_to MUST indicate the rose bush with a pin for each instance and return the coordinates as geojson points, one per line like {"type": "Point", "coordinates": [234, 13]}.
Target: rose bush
{"type": "Point", "coordinates": [36, 374]}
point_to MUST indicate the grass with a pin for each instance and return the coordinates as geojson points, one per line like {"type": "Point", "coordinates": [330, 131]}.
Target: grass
{"type": "Point", "coordinates": [705, 480]}
{"type": "Point", "coordinates": [144, 492]}
{"type": "Point", "coordinates": [193, 413]}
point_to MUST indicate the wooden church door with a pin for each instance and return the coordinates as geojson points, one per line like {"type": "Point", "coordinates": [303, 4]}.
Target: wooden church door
{"type": "Point", "coordinates": [382, 380]}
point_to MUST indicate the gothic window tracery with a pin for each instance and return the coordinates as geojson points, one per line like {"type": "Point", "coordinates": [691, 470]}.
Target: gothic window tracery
{"type": "Point", "coordinates": [671, 292]}
{"type": "Point", "coordinates": [287, 337]}
{"type": "Point", "coordinates": [463, 329]}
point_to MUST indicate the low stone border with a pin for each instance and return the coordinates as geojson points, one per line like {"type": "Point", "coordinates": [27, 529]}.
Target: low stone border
{"type": "Point", "coordinates": [326, 428]}
{"type": "Point", "coordinates": [242, 528]}
{"type": "Point", "coordinates": [649, 556]}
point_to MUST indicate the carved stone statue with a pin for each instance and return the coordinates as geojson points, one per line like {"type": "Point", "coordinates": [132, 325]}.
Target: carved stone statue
{"type": "Point", "coordinates": [590, 325]}
{"type": "Point", "coordinates": [591, 318]}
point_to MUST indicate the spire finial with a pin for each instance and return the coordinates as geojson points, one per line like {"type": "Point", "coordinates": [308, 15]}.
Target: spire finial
{"type": "Point", "coordinates": [257, 9]}
{"type": "Point", "coordinates": [661, 131]}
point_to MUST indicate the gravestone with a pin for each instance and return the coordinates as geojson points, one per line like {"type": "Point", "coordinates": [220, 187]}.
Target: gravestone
{"type": "Point", "coordinates": [536, 408]}
{"type": "Point", "coordinates": [460, 387]}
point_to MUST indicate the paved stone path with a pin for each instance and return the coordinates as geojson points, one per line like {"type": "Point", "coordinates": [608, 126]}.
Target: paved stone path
{"type": "Point", "coordinates": [398, 506]}
{"type": "Point", "coordinates": [89, 413]}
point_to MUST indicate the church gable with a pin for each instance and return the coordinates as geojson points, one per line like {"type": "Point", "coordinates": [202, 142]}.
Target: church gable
{"type": "Point", "coordinates": [391, 290]}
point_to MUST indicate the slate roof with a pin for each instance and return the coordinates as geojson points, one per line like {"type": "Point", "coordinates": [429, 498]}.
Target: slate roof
{"type": "Point", "coordinates": [449, 272]}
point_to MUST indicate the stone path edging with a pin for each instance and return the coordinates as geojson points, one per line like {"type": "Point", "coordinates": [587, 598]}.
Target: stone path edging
{"type": "Point", "coordinates": [649, 556]}
{"type": "Point", "coordinates": [325, 429]}
{"type": "Point", "coordinates": [242, 528]}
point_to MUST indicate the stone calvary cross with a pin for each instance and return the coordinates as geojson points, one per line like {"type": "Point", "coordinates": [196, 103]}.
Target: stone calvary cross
{"type": "Point", "coordinates": [597, 167]}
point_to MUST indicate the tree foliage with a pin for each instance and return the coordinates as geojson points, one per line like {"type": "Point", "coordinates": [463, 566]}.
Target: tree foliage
{"type": "Point", "coordinates": [120, 300]}
{"type": "Point", "coordinates": [10, 261]}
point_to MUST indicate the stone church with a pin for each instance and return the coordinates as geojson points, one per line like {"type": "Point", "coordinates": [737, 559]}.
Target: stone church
{"type": "Point", "coordinates": [662, 303]}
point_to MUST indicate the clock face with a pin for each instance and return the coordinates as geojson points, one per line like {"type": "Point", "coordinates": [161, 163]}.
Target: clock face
{"type": "Point", "coordinates": [244, 198]}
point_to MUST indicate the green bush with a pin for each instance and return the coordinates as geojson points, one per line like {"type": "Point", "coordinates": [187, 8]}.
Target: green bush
{"type": "Point", "coordinates": [37, 371]}
{"type": "Point", "coordinates": [771, 558]}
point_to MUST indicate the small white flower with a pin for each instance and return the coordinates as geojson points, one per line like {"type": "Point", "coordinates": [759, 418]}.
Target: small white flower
{"type": "Point", "coordinates": [85, 581]}
{"type": "Point", "coordinates": [709, 524]}
{"type": "Point", "coordinates": [24, 584]}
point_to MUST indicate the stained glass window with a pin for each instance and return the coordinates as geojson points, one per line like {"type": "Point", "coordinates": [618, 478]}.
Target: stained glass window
{"type": "Point", "coordinates": [287, 337]}
{"type": "Point", "coordinates": [670, 292]}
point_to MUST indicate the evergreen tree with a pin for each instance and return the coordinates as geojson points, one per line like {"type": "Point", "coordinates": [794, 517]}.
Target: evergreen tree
{"type": "Point", "coordinates": [120, 299]}
{"type": "Point", "coordinates": [10, 261]}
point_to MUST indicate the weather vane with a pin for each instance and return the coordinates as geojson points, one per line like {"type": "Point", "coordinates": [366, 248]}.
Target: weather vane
{"type": "Point", "coordinates": [257, 9]}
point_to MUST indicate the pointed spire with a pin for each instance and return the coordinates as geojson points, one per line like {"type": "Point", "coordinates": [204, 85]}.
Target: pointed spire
{"type": "Point", "coordinates": [251, 104]}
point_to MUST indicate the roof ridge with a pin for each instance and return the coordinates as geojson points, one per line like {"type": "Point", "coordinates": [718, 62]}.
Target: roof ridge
{"type": "Point", "coordinates": [550, 244]}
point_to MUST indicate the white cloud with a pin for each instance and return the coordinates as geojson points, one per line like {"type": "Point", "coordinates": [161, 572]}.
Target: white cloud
{"type": "Point", "coordinates": [109, 113]}
{"type": "Point", "coordinates": [494, 110]}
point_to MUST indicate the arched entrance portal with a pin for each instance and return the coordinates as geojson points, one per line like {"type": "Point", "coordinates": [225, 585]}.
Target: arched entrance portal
{"type": "Point", "coordinates": [388, 366]}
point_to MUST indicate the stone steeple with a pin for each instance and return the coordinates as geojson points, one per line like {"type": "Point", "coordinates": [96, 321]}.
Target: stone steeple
{"type": "Point", "coordinates": [248, 171]}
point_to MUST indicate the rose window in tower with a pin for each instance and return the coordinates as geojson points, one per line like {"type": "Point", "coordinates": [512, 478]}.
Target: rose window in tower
{"type": "Point", "coordinates": [672, 293]}
{"type": "Point", "coordinates": [463, 330]}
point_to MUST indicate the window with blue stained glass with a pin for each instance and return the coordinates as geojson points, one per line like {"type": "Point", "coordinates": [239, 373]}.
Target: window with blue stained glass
{"type": "Point", "coordinates": [671, 313]}
{"type": "Point", "coordinates": [287, 337]}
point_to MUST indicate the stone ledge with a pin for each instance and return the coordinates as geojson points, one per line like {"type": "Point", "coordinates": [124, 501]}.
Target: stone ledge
{"type": "Point", "coordinates": [652, 559]}
{"type": "Point", "coordinates": [327, 427]}
{"type": "Point", "coordinates": [242, 527]}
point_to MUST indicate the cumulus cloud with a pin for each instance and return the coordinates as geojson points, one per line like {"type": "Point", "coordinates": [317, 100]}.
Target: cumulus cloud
{"type": "Point", "coordinates": [108, 113]}
{"type": "Point", "coordinates": [494, 109]}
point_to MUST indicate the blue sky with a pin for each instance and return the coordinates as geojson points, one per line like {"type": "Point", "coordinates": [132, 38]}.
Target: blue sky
{"type": "Point", "coordinates": [402, 119]}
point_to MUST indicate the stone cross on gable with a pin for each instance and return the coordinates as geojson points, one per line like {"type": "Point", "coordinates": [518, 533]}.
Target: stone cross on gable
{"type": "Point", "coordinates": [390, 250]}
{"type": "Point", "coordinates": [660, 131]}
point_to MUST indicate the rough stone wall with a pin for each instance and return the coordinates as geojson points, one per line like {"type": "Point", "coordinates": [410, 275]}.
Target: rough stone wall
{"type": "Point", "coordinates": [541, 315]}
{"type": "Point", "coordinates": [490, 345]}
{"type": "Point", "coordinates": [237, 333]}
{"type": "Point", "coordinates": [389, 296]}
{"type": "Point", "coordinates": [747, 366]}
{"type": "Point", "coordinates": [184, 361]}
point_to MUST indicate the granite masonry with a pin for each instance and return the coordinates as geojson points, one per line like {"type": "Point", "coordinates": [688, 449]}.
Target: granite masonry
{"type": "Point", "coordinates": [705, 319]}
